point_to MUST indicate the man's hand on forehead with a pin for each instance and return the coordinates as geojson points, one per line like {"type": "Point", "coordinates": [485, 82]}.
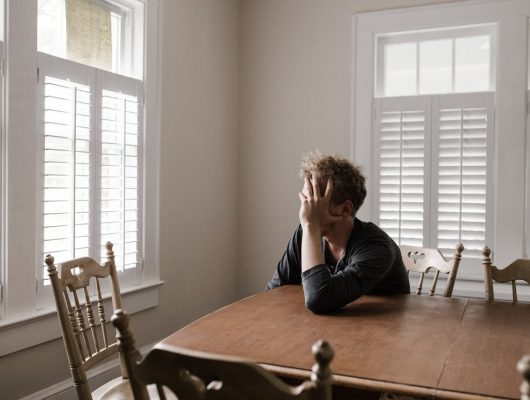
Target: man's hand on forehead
{"type": "Point", "coordinates": [315, 206]}
{"type": "Point", "coordinates": [322, 183]}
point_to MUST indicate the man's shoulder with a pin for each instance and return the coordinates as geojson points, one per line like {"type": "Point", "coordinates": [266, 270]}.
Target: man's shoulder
{"type": "Point", "coordinates": [370, 236]}
{"type": "Point", "coordinates": [369, 229]}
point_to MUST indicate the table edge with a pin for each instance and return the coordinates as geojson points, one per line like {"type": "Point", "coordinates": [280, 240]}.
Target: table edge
{"type": "Point", "coordinates": [380, 386]}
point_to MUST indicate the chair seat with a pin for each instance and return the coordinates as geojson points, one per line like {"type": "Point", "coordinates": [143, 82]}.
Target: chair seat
{"type": "Point", "coordinates": [120, 389]}
{"type": "Point", "coordinates": [116, 389]}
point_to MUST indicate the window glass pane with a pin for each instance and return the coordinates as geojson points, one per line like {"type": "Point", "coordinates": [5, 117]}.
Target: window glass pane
{"type": "Point", "coordinates": [472, 63]}
{"type": "Point", "coordinates": [89, 33]}
{"type": "Point", "coordinates": [436, 66]}
{"type": "Point", "coordinates": [52, 28]}
{"type": "Point", "coordinates": [400, 69]}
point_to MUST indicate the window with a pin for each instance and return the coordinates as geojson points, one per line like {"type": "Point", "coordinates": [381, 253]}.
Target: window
{"type": "Point", "coordinates": [432, 148]}
{"type": "Point", "coordinates": [105, 34]}
{"type": "Point", "coordinates": [446, 127]}
{"type": "Point", "coordinates": [90, 127]}
{"type": "Point", "coordinates": [456, 60]}
{"type": "Point", "coordinates": [77, 170]}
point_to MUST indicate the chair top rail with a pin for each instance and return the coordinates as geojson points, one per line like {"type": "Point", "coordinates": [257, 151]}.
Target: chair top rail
{"type": "Point", "coordinates": [517, 270]}
{"type": "Point", "coordinates": [88, 268]}
{"type": "Point", "coordinates": [421, 259]}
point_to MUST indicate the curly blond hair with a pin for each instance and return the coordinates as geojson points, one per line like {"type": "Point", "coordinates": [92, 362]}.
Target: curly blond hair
{"type": "Point", "coordinates": [348, 181]}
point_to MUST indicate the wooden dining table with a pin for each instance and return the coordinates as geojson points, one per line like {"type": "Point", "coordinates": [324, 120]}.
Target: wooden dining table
{"type": "Point", "coordinates": [434, 347]}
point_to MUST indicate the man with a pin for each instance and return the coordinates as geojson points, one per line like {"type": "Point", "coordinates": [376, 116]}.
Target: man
{"type": "Point", "coordinates": [335, 256]}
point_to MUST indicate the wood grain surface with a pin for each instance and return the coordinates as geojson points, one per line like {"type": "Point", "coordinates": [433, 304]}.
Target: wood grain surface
{"type": "Point", "coordinates": [492, 338]}
{"type": "Point", "coordinates": [408, 344]}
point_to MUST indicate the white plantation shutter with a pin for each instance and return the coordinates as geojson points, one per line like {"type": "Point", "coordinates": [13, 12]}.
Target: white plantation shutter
{"type": "Point", "coordinates": [433, 163]}
{"type": "Point", "coordinates": [91, 125]}
{"type": "Point", "coordinates": [65, 114]}
{"type": "Point", "coordinates": [121, 166]}
{"type": "Point", "coordinates": [66, 168]}
{"type": "Point", "coordinates": [463, 128]}
{"type": "Point", "coordinates": [401, 138]}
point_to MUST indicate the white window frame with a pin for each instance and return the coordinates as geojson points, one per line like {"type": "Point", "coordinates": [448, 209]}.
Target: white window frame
{"type": "Point", "coordinates": [416, 37]}
{"type": "Point", "coordinates": [24, 322]}
{"type": "Point", "coordinates": [509, 235]}
{"type": "Point", "coordinates": [132, 40]}
{"type": "Point", "coordinates": [2, 163]}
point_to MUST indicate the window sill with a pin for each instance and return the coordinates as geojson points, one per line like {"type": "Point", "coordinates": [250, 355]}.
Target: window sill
{"type": "Point", "coordinates": [42, 327]}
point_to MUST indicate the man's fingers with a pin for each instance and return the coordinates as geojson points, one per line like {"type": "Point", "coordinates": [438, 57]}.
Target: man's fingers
{"type": "Point", "coordinates": [309, 187]}
{"type": "Point", "coordinates": [314, 184]}
{"type": "Point", "coordinates": [329, 188]}
{"type": "Point", "coordinates": [302, 196]}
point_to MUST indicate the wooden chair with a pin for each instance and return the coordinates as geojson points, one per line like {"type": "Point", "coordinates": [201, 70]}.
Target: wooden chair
{"type": "Point", "coordinates": [422, 260]}
{"type": "Point", "coordinates": [87, 343]}
{"type": "Point", "coordinates": [517, 270]}
{"type": "Point", "coordinates": [524, 368]}
{"type": "Point", "coordinates": [197, 375]}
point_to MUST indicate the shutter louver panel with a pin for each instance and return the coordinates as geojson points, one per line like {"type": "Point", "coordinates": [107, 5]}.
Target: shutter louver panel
{"type": "Point", "coordinates": [120, 195]}
{"type": "Point", "coordinates": [401, 171]}
{"type": "Point", "coordinates": [66, 191]}
{"type": "Point", "coordinates": [462, 164]}
{"type": "Point", "coordinates": [91, 191]}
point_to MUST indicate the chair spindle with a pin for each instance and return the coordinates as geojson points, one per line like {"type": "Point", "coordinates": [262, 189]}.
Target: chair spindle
{"type": "Point", "coordinates": [101, 313]}
{"type": "Point", "coordinates": [434, 282]}
{"type": "Point", "coordinates": [91, 321]}
{"type": "Point", "coordinates": [420, 283]}
{"type": "Point", "coordinates": [73, 324]}
{"type": "Point", "coordinates": [81, 322]}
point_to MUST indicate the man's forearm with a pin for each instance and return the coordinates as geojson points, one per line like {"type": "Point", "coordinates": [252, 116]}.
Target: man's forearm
{"type": "Point", "coordinates": [311, 247]}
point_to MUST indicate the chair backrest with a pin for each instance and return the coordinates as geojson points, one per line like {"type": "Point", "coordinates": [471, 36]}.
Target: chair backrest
{"type": "Point", "coordinates": [517, 270]}
{"type": "Point", "coordinates": [86, 343]}
{"type": "Point", "coordinates": [197, 375]}
{"type": "Point", "coordinates": [524, 368]}
{"type": "Point", "coordinates": [424, 260]}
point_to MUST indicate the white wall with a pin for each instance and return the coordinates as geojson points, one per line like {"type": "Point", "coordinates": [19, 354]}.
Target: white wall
{"type": "Point", "coordinates": [295, 96]}
{"type": "Point", "coordinates": [198, 200]}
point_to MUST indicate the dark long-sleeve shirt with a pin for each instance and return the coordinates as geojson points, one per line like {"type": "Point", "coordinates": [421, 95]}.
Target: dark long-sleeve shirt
{"type": "Point", "coordinates": [371, 264]}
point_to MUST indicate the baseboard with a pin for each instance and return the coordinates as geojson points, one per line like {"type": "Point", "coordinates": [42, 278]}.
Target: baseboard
{"type": "Point", "coordinates": [97, 376]}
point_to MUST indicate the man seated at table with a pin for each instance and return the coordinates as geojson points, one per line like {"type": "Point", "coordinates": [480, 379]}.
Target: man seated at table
{"type": "Point", "coordinates": [334, 255]}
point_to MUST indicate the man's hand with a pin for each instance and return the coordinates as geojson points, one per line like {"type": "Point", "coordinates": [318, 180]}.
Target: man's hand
{"type": "Point", "coordinates": [314, 207]}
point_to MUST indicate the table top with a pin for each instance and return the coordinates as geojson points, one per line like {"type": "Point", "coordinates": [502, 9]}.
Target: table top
{"type": "Point", "coordinates": [449, 348]}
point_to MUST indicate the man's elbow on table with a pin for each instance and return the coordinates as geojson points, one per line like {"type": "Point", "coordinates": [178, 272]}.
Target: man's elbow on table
{"type": "Point", "coordinates": [324, 300]}
{"type": "Point", "coordinates": [317, 304]}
